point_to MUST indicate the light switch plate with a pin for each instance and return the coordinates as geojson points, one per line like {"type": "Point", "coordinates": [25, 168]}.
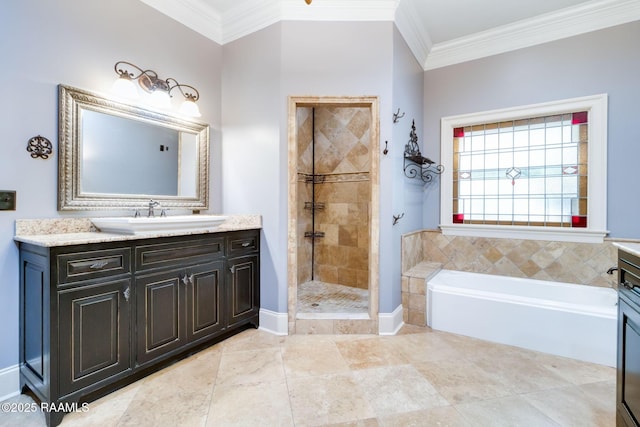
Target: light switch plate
{"type": "Point", "coordinates": [7, 200]}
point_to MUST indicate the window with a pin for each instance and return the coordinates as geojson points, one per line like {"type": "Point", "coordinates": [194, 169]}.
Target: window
{"type": "Point", "coordinates": [536, 171]}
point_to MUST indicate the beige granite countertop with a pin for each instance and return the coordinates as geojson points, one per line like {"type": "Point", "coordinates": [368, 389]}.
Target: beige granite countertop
{"type": "Point", "coordinates": [78, 231]}
{"type": "Point", "coordinates": [632, 248]}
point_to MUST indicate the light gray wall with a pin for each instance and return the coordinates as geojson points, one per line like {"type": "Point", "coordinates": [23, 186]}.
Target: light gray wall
{"type": "Point", "coordinates": [260, 72]}
{"type": "Point", "coordinates": [408, 77]}
{"type": "Point", "coordinates": [45, 43]}
{"type": "Point", "coordinates": [254, 162]}
{"type": "Point", "coordinates": [605, 61]}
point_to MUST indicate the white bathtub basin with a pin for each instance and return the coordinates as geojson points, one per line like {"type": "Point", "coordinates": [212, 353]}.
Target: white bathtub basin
{"type": "Point", "coordinates": [143, 225]}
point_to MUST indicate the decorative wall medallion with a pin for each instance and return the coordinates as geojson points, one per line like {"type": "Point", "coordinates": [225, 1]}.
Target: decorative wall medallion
{"type": "Point", "coordinates": [39, 146]}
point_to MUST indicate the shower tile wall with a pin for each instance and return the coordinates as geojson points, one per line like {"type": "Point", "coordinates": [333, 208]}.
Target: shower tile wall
{"type": "Point", "coordinates": [342, 161]}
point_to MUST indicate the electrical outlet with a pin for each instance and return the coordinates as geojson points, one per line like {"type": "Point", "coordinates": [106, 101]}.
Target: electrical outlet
{"type": "Point", "coordinates": [7, 200]}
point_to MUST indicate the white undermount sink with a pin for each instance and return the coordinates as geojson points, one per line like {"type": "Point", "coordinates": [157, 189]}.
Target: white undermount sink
{"type": "Point", "coordinates": [145, 225]}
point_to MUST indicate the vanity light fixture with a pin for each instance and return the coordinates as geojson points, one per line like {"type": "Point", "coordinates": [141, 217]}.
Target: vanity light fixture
{"type": "Point", "coordinates": [159, 89]}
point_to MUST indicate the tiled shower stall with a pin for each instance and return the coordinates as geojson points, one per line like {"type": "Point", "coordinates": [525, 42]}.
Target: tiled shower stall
{"type": "Point", "coordinates": [333, 209]}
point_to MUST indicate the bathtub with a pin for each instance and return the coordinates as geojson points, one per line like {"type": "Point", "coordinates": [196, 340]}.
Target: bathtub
{"type": "Point", "coordinates": [564, 319]}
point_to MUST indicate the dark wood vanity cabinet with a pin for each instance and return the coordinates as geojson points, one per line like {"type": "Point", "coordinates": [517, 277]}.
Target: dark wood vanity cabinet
{"type": "Point", "coordinates": [628, 370]}
{"type": "Point", "coordinates": [95, 317]}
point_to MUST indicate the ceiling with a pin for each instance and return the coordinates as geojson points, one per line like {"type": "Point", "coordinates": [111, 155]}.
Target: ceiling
{"type": "Point", "coordinates": [439, 32]}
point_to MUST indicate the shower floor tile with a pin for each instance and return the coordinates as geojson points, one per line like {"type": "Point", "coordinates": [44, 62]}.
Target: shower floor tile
{"type": "Point", "coordinates": [320, 297]}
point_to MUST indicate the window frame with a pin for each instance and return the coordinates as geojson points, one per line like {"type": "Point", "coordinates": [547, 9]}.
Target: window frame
{"type": "Point", "coordinates": [597, 106]}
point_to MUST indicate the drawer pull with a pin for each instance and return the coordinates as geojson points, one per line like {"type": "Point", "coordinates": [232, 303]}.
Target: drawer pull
{"type": "Point", "coordinates": [98, 264]}
{"type": "Point", "coordinates": [185, 280]}
{"type": "Point", "coordinates": [628, 284]}
{"type": "Point", "coordinates": [245, 244]}
{"type": "Point", "coordinates": [232, 269]}
{"type": "Point", "coordinates": [191, 278]}
{"type": "Point", "coordinates": [127, 294]}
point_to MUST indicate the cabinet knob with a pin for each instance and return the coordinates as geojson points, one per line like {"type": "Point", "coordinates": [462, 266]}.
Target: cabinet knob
{"type": "Point", "coordinates": [232, 269]}
{"type": "Point", "coordinates": [126, 293]}
{"type": "Point", "coordinates": [185, 279]}
{"type": "Point", "coordinates": [191, 278]}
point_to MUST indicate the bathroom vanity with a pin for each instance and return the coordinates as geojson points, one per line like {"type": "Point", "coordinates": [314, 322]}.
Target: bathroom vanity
{"type": "Point", "coordinates": [628, 376]}
{"type": "Point", "coordinates": [99, 310]}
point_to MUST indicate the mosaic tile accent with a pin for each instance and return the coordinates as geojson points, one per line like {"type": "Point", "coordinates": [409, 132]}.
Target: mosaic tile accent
{"type": "Point", "coordinates": [320, 297]}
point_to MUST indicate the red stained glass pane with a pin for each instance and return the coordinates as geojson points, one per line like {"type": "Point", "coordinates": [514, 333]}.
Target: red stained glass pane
{"type": "Point", "coordinates": [458, 132]}
{"type": "Point", "coordinates": [579, 221]}
{"type": "Point", "coordinates": [580, 117]}
{"type": "Point", "coordinates": [458, 218]}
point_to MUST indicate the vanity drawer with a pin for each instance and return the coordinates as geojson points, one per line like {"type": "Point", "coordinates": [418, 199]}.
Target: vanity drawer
{"type": "Point", "coordinates": [178, 253]}
{"type": "Point", "coordinates": [243, 242]}
{"type": "Point", "coordinates": [629, 269]}
{"type": "Point", "coordinates": [93, 264]}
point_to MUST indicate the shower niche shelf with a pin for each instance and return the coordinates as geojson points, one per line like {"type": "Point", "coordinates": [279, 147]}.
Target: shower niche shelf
{"type": "Point", "coordinates": [415, 164]}
{"type": "Point", "coordinates": [314, 206]}
{"type": "Point", "coordinates": [314, 234]}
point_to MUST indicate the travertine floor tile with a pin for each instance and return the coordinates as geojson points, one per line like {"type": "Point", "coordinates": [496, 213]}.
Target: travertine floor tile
{"type": "Point", "coordinates": [320, 359]}
{"type": "Point", "coordinates": [418, 378]}
{"type": "Point", "coordinates": [255, 366]}
{"type": "Point", "coordinates": [443, 416]}
{"type": "Point", "coordinates": [519, 375]}
{"type": "Point", "coordinates": [104, 412]}
{"type": "Point", "coordinates": [570, 406]}
{"type": "Point", "coordinates": [505, 411]}
{"type": "Point", "coordinates": [257, 404]}
{"type": "Point", "coordinates": [461, 381]}
{"type": "Point", "coordinates": [327, 399]}
{"type": "Point", "coordinates": [370, 352]}
{"type": "Point", "coordinates": [396, 389]}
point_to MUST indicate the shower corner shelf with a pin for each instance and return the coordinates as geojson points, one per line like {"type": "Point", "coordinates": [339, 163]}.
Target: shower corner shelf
{"type": "Point", "coordinates": [415, 164]}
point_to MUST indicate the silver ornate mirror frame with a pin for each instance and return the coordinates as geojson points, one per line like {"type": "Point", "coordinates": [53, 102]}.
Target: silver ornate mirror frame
{"type": "Point", "coordinates": [72, 102]}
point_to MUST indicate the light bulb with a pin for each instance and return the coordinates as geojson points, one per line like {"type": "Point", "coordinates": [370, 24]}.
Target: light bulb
{"type": "Point", "coordinates": [123, 87]}
{"type": "Point", "coordinates": [190, 108]}
{"type": "Point", "coordinates": [160, 98]}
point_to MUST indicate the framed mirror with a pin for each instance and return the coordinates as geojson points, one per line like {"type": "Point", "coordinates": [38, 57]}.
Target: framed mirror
{"type": "Point", "coordinates": [118, 156]}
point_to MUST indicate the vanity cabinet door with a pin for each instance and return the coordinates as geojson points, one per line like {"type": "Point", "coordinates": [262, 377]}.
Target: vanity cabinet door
{"type": "Point", "coordinates": [243, 289]}
{"type": "Point", "coordinates": [204, 296]}
{"type": "Point", "coordinates": [94, 333]}
{"type": "Point", "coordinates": [160, 305]}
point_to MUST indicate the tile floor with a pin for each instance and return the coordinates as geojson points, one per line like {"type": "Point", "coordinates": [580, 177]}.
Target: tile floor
{"type": "Point", "coordinates": [321, 297]}
{"type": "Point", "coordinates": [419, 377]}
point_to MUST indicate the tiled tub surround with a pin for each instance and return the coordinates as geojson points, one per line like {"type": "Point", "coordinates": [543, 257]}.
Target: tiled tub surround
{"type": "Point", "coordinates": [425, 252]}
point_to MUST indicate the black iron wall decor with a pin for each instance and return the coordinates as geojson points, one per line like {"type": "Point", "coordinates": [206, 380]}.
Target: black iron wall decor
{"type": "Point", "coordinates": [397, 116]}
{"type": "Point", "coordinates": [415, 164]}
{"type": "Point", "coordinates": [39, 146]}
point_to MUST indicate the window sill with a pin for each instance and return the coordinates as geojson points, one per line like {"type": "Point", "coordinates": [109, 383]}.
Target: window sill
{"type": "Point", "coordinates": [578, 235]}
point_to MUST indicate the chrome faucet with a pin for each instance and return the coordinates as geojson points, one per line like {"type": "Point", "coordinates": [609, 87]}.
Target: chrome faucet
{"type": "Point", "coordinates": [152, 204]}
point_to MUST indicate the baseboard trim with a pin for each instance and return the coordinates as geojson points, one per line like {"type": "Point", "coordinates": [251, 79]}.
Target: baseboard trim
{"type": "Point", "coordinates": [390, 323]}
{"type": "Point", "coordinates": [9, 382]}
{"type": "Point", "coordinates": [274, 322]}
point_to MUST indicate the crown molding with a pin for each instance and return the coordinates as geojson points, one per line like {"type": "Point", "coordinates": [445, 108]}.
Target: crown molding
{"type": "Point", "coordinates": [194, 14]}
{"type": "Point", "coordinates": [572, 21]}
{"type": "Point", "coordinates": [243, 20]}
{"type": "Point", "coordinates": [413, 31]}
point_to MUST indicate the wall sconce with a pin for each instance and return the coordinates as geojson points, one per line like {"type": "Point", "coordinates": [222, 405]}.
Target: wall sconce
{"type": "Point", "coordinates": [159, 89]}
